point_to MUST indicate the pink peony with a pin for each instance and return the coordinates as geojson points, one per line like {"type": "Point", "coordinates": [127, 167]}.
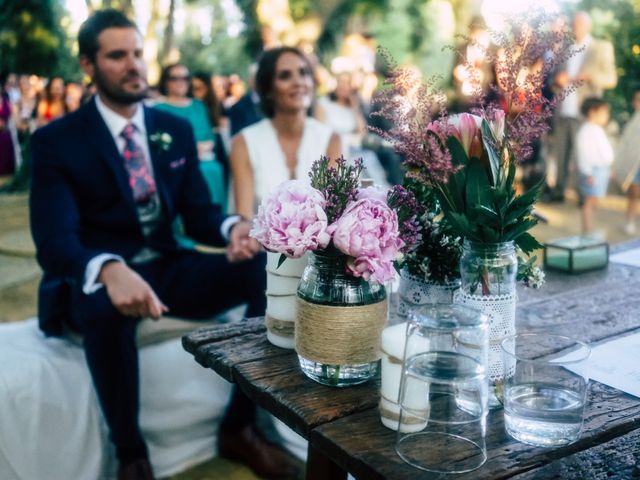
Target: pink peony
{"type": "Point", "coordinates": [291, 220]}
{"type": "Point", "coordinates": [367, 231]}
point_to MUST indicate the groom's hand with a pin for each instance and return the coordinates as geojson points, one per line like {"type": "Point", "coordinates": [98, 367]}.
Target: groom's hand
{"type": "Point", "coordinates": [241, 245]}
{"type": "Point", "coordinates": [129, 292]}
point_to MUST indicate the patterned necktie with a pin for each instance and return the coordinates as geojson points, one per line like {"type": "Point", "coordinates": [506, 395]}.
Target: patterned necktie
{"type": "Point", "coordinates": [140, 178]}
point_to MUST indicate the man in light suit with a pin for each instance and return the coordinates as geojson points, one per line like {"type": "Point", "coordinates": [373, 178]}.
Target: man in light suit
{"type": "Point", "coordinates": [592, 70]}
{"type": "Point", "coordinates": [108, 181]}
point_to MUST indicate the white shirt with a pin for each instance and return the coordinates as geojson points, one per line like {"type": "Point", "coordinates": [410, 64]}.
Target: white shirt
{"type": "Point", "coordinates": [592, 148]}
{"type": "Point", "coordinates": [569, 106]}
{"type": "Point", "coordinates": [116, 123]}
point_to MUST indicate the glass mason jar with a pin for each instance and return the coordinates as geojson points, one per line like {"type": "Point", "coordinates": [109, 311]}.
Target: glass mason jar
{"type": "Point", "coordinates": [488, 268]}
{"type": "Point", "coordinates": [488, 273]}
{"type": "Point", "coordinates": [339, 322]}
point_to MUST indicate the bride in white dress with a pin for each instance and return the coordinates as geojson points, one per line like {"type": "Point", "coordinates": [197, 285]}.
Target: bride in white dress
{"type": "Point", "coordinates": [285, 144]}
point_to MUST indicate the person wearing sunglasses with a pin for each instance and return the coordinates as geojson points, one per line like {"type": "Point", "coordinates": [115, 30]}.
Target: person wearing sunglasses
{"type": "Point", "coordinates": [175, 88]}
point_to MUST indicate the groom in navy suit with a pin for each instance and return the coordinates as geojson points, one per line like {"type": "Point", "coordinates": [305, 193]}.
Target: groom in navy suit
{"type": "Point", "coordinates": [108, 181]}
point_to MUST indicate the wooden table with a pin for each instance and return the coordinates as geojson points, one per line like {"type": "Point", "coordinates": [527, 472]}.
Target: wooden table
{"type": "Point", "coordinates": [343, 425]}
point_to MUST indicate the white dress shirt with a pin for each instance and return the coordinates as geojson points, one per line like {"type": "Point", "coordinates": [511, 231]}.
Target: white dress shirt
{"type": "Point", "coordinates": [592, 148]}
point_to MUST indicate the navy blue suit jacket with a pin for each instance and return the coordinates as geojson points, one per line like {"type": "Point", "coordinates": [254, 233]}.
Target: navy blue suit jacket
{"type": "Point", "coordinates": [81, 204]}
{"type": "Point", "coordinates": [244, 113]}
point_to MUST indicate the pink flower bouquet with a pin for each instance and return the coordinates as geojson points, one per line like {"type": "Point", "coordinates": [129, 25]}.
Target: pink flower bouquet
{"type": "Point", "coordinates": [333, 215]}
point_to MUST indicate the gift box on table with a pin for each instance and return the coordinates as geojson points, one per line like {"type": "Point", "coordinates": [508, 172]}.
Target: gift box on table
{"type": "Point", "coordinates": [576, 254]}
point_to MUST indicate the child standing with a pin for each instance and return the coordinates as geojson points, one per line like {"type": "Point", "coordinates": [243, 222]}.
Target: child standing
{"type": "Point", "coordinates": [594, 156]}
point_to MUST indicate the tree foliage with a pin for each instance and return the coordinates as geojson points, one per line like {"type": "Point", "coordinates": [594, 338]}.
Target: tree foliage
{"type": "Point", "coordinates": [619, 22]}
{"type": "Point", "coordinates": [214, 51]}
{"type": "Point", "coordinates": [32, 40]}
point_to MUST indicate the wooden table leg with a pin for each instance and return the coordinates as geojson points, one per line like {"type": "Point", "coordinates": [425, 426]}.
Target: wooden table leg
{"type": "Point", "coordinates": [319, 467]}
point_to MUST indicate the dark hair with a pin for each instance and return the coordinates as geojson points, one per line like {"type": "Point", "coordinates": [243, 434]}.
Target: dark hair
{"type": "Point", "coordinates": [164, 78]}
{"type": "Point", "coordinates": [49, 85]}
{"type": "Point", "coordinates": [266, 74]}
{"type": "Point", "coordinates": [93, 26]}
{"type": "Point", "coordinates": [592, 103]}
{"type": "Point", "coordinates": [210, 100]}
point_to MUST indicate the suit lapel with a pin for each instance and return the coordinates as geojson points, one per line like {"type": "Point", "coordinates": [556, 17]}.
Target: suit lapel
{"type": "Point", "coordinates": [108, 151]}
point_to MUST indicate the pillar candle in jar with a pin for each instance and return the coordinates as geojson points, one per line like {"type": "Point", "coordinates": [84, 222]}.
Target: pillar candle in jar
{"type": "Point", "coordinates": [282, 286]}
{"type": "Point", "coordinates": [416, 395]}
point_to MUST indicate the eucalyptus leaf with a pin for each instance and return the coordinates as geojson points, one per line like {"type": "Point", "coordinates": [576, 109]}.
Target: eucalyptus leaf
{"type": "Point", "coordinates": [527, 198]}
{"type": "Point", "coordinates": [512, 232]}
{"type": "Point", "coordinates": [457, 181]}
{"type": "Point", "coordinates": [488, 217]}
{"type": "Point", "coordinates": [281, 260]}
{"type": "Point", "coordinates": [478, 188]}
{"type": "Point", "coordinates": [462, 225]}
{"type": "Point", "coordinates": [527, 243]}
{"type": "Point", "coordinates": [494, 160]}
{"type": "Point", "coordinates": [511, 175]}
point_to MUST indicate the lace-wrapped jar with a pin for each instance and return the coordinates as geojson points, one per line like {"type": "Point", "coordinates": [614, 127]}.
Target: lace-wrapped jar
{"type": "Point", "coordinates": [415, 291]}
{"type": "Point", "coordinates": [488, 275]}
{"type": "Point", "coordinates": [339, 322]}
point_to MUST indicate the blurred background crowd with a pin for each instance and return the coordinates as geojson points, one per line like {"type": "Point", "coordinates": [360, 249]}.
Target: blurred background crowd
{"type": "Point", "coordinates": [202, 63]}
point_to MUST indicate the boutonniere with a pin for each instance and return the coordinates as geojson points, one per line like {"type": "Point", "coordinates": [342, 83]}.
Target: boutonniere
{"type": "Point", "coordinates": [161, 140]}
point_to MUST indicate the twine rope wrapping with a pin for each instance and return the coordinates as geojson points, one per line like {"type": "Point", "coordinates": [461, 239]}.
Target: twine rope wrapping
{"type": "Point", "coordinates": [280, 327]}
{"type": "Point", "coordinates": [344, 335]}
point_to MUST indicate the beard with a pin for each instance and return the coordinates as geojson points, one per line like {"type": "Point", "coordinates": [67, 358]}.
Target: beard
{"type": "Point", "coordinates": [115, 92]}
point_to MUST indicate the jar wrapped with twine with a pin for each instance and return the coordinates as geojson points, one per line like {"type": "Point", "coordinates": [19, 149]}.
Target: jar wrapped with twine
{"type": "Point", "coordinates": [339, 322]}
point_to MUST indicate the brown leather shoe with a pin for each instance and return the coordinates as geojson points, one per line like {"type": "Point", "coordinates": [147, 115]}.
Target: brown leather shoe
{"type": "Point", "coordinates": [137, 470]}
{"type": "Point", "coordinates": [266, 459]}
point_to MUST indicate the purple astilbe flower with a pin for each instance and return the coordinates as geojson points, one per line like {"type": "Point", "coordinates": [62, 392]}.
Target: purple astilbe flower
{"type": "Point", "coordinates": [525, 54]}
{"type": "Point", "coordinates": [338, 184]}
{"type": "Point", "coordinates": [407, 208]}
{"type": "Point", "coordinates": [415, 110]}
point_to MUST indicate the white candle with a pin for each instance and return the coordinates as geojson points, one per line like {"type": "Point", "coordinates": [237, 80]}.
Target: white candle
{"type": "Point", "coordinates": [416, 394]}
{"type": "Point", "coordinates": [282, 287]}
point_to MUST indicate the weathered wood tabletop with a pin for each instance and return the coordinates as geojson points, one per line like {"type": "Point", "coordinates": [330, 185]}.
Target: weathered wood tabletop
{"type": "Point", "coordinates": [343, 425]}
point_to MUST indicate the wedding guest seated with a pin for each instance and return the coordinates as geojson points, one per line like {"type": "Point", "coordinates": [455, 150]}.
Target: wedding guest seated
{"type": "Point", "coordinates": [201, 89]}
{"type": "Point", "coordinates": [175, 86]}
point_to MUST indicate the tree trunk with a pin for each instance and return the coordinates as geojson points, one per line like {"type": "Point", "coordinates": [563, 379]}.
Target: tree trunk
{"type": "Point", "coordinates": [151, 43]}
{"type": "Point", "coordinates": [168, 41]}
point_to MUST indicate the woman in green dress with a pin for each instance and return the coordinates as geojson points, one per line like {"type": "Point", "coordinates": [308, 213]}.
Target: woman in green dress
{"type": "Point", "coordinates": [175, 86]}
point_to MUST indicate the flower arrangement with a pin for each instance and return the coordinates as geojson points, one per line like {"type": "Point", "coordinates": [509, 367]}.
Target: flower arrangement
{"type": "Point", "coordinates": [333, 215]}
{"type": "Point", "coordinates": [468, 161]}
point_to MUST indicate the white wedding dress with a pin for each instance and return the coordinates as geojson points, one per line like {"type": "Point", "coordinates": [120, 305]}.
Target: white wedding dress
{"type": "Point", "coordinates": [267, 158]}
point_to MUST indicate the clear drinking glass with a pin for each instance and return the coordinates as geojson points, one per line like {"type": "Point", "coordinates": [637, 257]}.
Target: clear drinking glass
{"type": "Point", "coordinates": [545, 388]}
{"type": "Point", "coordinates": [444, 390]}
